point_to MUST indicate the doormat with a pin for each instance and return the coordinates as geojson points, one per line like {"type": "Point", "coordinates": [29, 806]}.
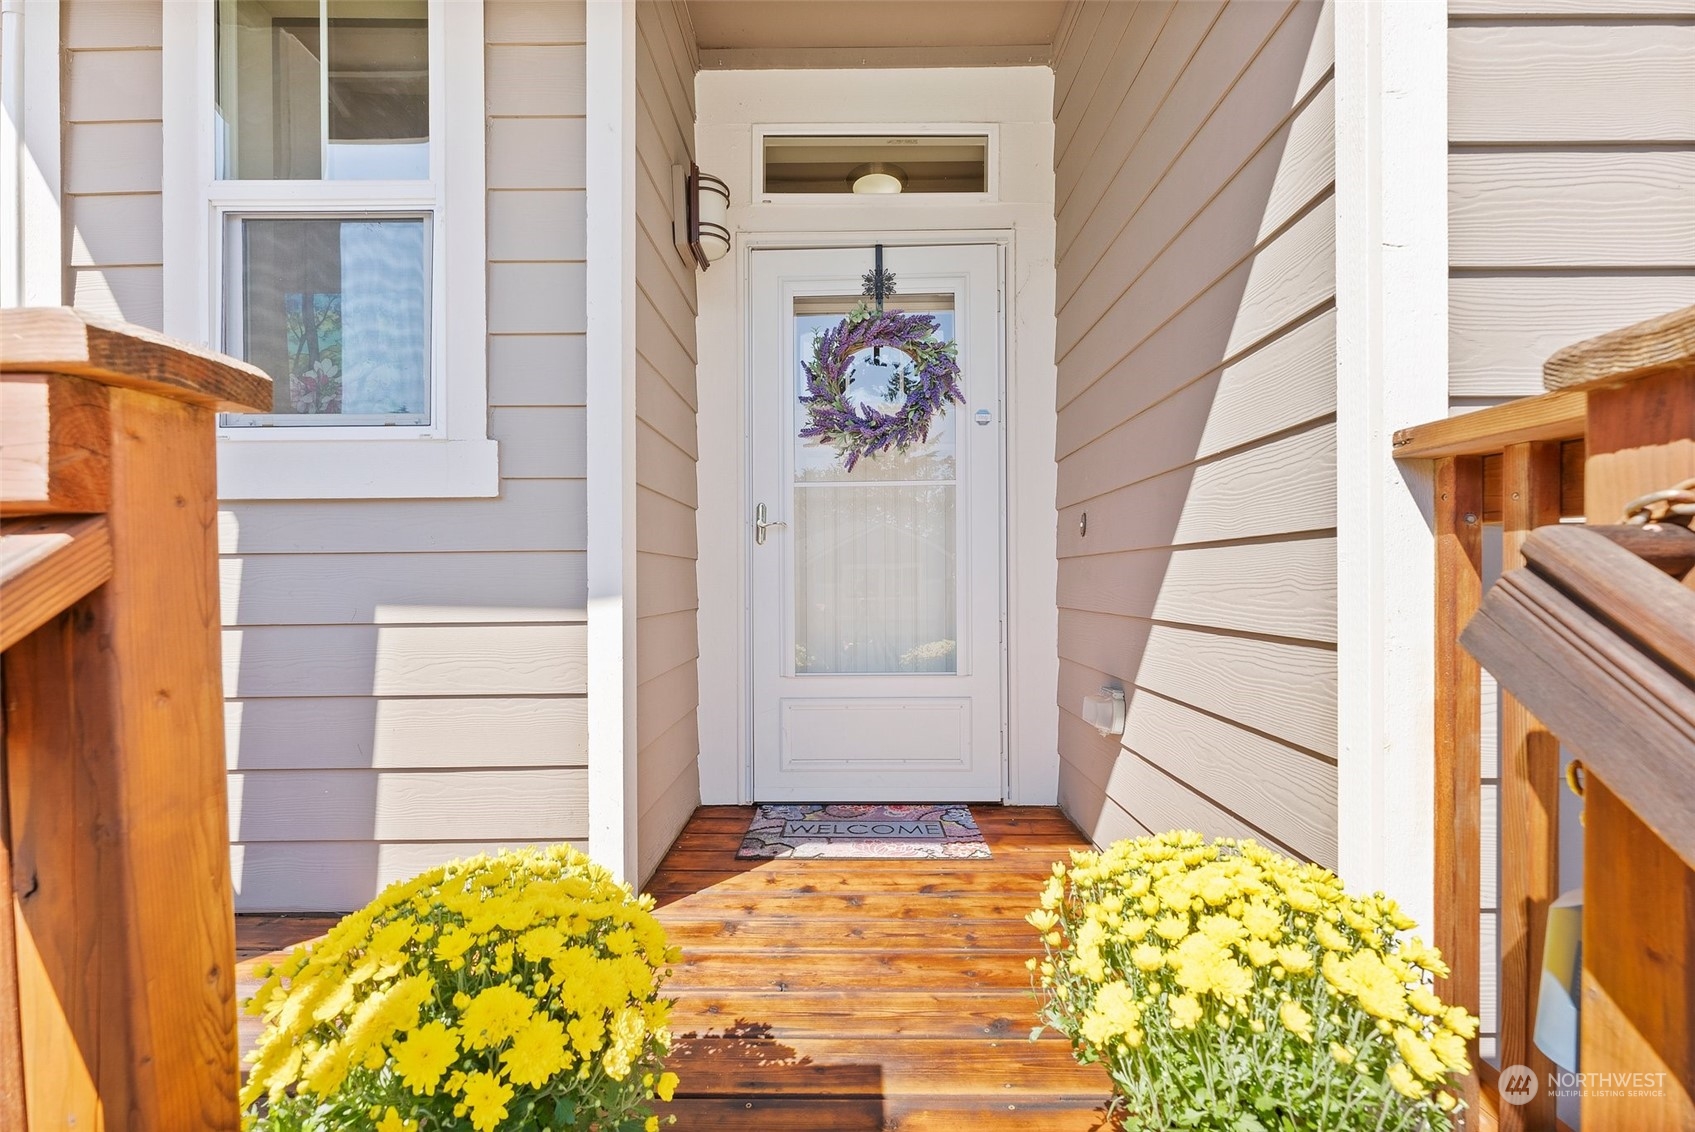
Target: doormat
{"type": "Point", "coordinates": [913, 832]}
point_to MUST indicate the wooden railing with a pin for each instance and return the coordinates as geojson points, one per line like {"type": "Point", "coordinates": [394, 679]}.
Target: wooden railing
{"type": "Point", "coordinates": [117, 979]}
{"type": "Point", "coordinates": [1619, 421]}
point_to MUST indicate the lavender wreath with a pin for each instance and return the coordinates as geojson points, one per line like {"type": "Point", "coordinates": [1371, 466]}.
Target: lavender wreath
{"type": "Point", "coordinates": [858, 431]}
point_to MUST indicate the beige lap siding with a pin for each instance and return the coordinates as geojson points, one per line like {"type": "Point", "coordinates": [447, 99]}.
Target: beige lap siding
{"type": "Point", "coordinates": [1194, 166]}
{"type": "Point", "coordinates": [667, 649]}
{"type": "Point", "coordinates": [405, 679]}
{"type": "Point", "coordinates": [1571, 209]}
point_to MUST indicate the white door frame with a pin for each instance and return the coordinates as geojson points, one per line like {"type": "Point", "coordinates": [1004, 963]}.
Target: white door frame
{"type": "Point", "coordinates": [725, 483]}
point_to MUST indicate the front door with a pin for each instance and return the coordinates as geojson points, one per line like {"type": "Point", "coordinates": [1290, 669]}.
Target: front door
{"type": "Point", "coordinates": [876, 591]}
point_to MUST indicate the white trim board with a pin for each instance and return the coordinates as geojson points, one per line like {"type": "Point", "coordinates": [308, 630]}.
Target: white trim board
{"type": "Point", "coordinates": [1019, 102]}
{"type": "Point", "coordinates": [454, 456]}
{"type": "Point", "coordinates": [611, 428]}
{"type": "Point", "coordinates": [1392, 367]}
{"type": "Point", "coordinates": [32, 262]}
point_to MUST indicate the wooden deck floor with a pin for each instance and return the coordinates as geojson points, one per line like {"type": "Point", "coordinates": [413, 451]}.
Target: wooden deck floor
{"type": "Point", "coordinates": [851, 996]}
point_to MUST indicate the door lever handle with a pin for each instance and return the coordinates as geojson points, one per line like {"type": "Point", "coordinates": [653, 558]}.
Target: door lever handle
{"type": "Point", "coordinates": [761, 524]}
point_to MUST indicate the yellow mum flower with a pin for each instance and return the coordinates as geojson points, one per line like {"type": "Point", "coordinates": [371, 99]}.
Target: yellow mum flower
{"type": "Point", "coordinates": [538, 1052]}
{"type": "Point", "coordinates": [424, 1055]}
{"type": "Point", "coordinates": [1295, 960]}
{"type": "Point", "coordinates": [495, 1014]}
{"type": "Point", "coordinates": [1342, 1054]}
{"type": "Point", "coordinates": [485, 1100]}
{"type": "Point", "coordinates": [1405, 1083]}
{"type": "Point", "coordinates": [667, 1086]}
{"type": "Point", "coordinates": [391, 1122]}
{"type": "Point", "coordinates": [1042, 920]}
{"type": "Point", "coordinates": [1296, 1020]}
{"type": "Point", "coordinates": [1450, 1048]}
{"type": "Point", "coordinates": [1262, 921]}
{"type": "Point", "coordinates": [1171, 928]}
{"type": "Point", "coordinates": [1147, 957]}
{"type": "Point", "coordinates": [1329, 938]}
{"type": "Point", "coordinates": [1418, 1055]}
{"type": "Point", "coordinates": [1185, 1011]}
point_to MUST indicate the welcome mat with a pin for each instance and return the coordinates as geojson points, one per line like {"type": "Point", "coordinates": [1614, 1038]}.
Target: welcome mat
{"type": "Point", "coordinates": [915, 832]}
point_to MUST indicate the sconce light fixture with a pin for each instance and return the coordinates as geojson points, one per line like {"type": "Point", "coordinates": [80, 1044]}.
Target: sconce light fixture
{"type": "Point", "coordinates": [700, 205]}
{"type": "Point", "coordinates": [878, 177]}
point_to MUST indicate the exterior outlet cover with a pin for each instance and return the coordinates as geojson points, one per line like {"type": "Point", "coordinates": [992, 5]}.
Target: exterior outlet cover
{"type": "Point", "coordinates": [1105, 712]}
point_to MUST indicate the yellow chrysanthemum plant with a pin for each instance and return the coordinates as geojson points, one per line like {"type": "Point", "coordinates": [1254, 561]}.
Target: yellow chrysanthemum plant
{"type": "Point", "coordinates": [1227, 987]}
{"type": "Point", "coordinates": [509, 993]}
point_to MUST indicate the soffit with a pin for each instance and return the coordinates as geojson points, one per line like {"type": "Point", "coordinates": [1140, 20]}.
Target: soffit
{"type": "Point", "coordinates": [751, 30]}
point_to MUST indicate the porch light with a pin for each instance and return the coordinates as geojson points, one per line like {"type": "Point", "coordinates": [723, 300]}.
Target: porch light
{"type": "Point", "coordinates": [700, 209]}
{"type": "Point", "coordinates": [878, 177]}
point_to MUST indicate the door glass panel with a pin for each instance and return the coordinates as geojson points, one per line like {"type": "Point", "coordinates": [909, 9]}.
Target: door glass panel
{"type": "Point", "coordinates": [876, 587]}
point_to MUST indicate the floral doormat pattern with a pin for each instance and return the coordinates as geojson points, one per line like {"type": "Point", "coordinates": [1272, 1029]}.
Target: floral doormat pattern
{"type": "Point", "coordinates": [844, 831]}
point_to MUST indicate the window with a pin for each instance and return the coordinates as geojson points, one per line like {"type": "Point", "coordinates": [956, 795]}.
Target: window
{"type": "Point", "coordinates": [312, 236]}
{"type": "Point", "coordinates": [848, 163]}
{"type": "Point", "coordinates": [336, 310]}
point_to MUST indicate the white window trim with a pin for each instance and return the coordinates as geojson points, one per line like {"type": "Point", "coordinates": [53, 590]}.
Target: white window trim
{"type": "Point", "coordinates": [453, 456]}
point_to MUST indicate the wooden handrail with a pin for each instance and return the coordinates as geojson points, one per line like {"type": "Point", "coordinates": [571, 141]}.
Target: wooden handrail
{"type": "Point", "coordinates": [117, 944]}
{"type": "Point", "coordinates": [1604, 644]}
{"type": "Point", "coordinates": [1647, 349]}
{"type": "Point", "coordinates": [1617, 421]}
{"type": "Point", "coordinates": [1592, 629]}
{"type": "Point", "coordinates": [67, 340]}
{"type": "Point", "coordinates": [1551, 416]}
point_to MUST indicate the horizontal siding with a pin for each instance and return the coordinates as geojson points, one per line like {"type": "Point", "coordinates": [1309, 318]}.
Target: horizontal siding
{"type": "Point", "coordinates": [413, 671]}
{"type": "Point", "coordinates": [1571, 211]}
{"type": "Point", "coordinates": [112, 89]}
{"type": "Point", "coordinates": [381, 655]}
{"type": "Point", "coordinates": [667, 645]}
{"type": "Point", "coordinates": [404, 660]}
{"type": "Point", "coordinates": [1503, 325]}
{"type": "Point", "coordinates": [401, 733]}
{"type": "Point", "coordinates": [1560, 82]}
{"type": "Point", "coordinates": [1196, 436]}
{"type": "Point", "coordinates": [377, 589]}
{"type": "Point", "coordinates": [343, 873]}
{"type": "Point", "coordinates": [407, 805]}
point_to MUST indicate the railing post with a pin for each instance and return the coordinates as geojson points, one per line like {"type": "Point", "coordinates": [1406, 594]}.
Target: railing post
{"type": "Point", "coordinates": [1529, 805]}
{"type": "Point", "coordinates": [1459, 722]}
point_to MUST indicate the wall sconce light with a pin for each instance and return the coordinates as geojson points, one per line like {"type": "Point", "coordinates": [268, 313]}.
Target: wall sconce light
{"type": "Point", "coordinates": [878, 177]}
{"type": "Point", "coordinates": [700, 205]}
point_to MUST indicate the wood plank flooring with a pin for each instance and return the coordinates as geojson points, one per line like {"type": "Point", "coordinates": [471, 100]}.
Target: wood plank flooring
{"type": "Point", "coordinates": [847, 996]}
{"type": "Point", "coordinates": [866, 995]}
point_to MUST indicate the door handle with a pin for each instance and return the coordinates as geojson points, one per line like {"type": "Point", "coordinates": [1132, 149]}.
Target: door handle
{"type": "Point", "coordinates": [761, 524]}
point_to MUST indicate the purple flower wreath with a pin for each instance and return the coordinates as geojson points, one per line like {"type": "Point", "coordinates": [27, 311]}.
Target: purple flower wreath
{"type": "Point", "coordinates": [857, 431]}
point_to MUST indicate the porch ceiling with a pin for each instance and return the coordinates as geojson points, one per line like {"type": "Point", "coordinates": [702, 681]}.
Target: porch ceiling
{"type": "Point", "coordinates": [781, 33]}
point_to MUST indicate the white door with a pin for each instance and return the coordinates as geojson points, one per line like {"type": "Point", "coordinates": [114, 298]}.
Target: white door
{"type": "Point", "coordinates": [876, 592]}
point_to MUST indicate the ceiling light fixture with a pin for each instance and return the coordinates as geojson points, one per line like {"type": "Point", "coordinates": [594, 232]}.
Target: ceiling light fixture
{"type": "Point", "coordinates": [878, 177]}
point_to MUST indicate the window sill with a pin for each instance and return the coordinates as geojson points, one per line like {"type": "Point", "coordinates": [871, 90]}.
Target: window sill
{"type": "Point", "coordinates": [358, 469]}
